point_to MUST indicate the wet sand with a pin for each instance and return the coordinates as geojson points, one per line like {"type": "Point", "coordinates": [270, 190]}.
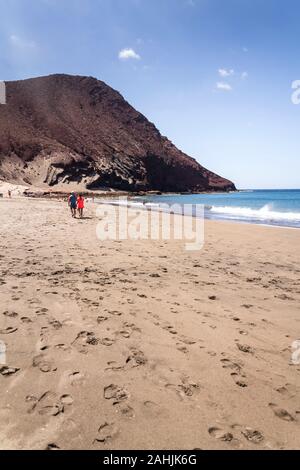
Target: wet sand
{"type": "Point", "coordinates": [142, 344]}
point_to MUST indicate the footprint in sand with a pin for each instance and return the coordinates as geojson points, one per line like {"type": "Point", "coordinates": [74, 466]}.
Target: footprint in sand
{"type": "Point", "coordinates": [282, 390]}
{"type": "Point", "coordinates": [212, 353]}
{"type": "Point", "coordinates": [113, 365]}
{"type": "Point", "coordinates": [10, 314]}
{"type": "Point", "coordinates": [83, 340]}
{"type": "Point", "coordinates": [26, 320]}
{"type": "Point", "coordinates": [125, 333]}
{"type": "Point", "coordinates": [44, 333]}
{"type": "Point", "coordinates": [114, 313]}
{"type": "Point", "coordinates": [213, 297]}
{"type": "Point", "coordinates": [252, 435]}
{"type": "Point", "coordinates": [228, 364]}
{"type": "Point", "coordinates": [281, 413]}
{"type": "Point", "coordinates": [220, 434]}
{"type": "Point", "coordinates": [152, 407]}
{"type": "Point", "coordinates": [62, 347]}
{"type": "Point", "coordinates": [115, 393]}
{"type": "Point", "coordinates": [185, 389]}
{"type": "Point", "coordinates": [47, 404]}
{"type": "Point", "coordinates": [170, 329]}
{"type": "Point", "coordinates": [237, 375]}
{"type": "Point", "coordinates": [243, 332]}
{"type": "Point", "coordinates": [182, 349]}
{"type": "Point", "coordinates": [237, 319]}
{"type": "Point", "coordinates": [136, 358]}
{"type": "Point", "coordinates": [42, 311]}
{"type": "Point", "coordinates": [107, 341]}
{"type": "Point", "coordinates": [55, 324]}
{"type": "Point", "coordinates": [76, 378]}
{"type": "Point", "coordinates": [288, 390]}
{"type": "Point", "coordinates": [101, 319]}
{"type": "Point", "coordinates": [8, 331]}
{"type": "Point", "coordinates": [52, 446]}
{"type": "Point", "coordinates": [106, 432]}
{"type": "Point", "coordinates": [237, 378]}
{"type": "Point", "coordinates": [126, 411]}
{"type": "Point", "coordinates": [43, 364]}
{"type": "Point", "coordinates": [66, 400]}
{"type": "Point", "coordinates": [128, 330]}
{"type": "Point", "coordinates": [187, 341]}
{"type": "Point", "coordinates": [245, 348]}
{"type": "Point", "coordinates": [7, 371]}
{"type": "Point", "coordinates": [132, 327]}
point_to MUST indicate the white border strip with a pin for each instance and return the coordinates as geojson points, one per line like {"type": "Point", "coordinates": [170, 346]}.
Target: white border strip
{"type": "Point", "coordinates": [2, 92]}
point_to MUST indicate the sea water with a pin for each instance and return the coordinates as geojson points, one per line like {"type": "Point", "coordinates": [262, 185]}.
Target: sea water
{"type": "Point", "coordinates": [268, 207]}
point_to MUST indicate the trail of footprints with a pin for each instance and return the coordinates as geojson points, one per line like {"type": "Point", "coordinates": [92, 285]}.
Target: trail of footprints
{"type": "Point", "coordinates": [52, 405]}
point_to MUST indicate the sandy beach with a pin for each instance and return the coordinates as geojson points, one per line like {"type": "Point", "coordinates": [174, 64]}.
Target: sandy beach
{"type": "Point", "coordinates": [142, 344]}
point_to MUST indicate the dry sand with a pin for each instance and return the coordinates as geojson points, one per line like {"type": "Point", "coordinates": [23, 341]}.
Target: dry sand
{"type": "Point", "coordinates": [141, 344]}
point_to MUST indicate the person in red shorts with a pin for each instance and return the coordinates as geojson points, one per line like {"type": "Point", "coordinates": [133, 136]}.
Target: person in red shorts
{"type": "Point", "coordinates": [80, 205]}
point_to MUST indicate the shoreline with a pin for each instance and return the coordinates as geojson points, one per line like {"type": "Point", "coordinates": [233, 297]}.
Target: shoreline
{"type": "Point", "coordinates": [135, 197]}
{"type": "Point", "coordinates": [214, 219]}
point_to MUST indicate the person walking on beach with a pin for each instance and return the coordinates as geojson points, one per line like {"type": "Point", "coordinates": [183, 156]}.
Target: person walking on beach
{"type": "Point", "coordinates": [9, 194]}
{"type": "Point", "coordinates": [73, 204]}
{"type": "Point", "coordinates": [80, 205]}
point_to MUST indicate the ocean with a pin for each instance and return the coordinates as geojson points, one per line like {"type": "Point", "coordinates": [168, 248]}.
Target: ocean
{"type": "Point", "coordinates": [267, 207]}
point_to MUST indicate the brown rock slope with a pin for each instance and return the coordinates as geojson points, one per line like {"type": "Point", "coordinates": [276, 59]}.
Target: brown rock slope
{"type": "Point", "coordinates": [63, 130]}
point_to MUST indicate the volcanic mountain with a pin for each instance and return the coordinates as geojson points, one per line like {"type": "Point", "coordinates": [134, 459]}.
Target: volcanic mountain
{"type": "Point", "coordinates": [64, 131]}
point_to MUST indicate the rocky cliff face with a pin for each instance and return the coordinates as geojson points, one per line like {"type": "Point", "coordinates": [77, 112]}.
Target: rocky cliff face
{"type": "Point", "coordinates": [62, 131]}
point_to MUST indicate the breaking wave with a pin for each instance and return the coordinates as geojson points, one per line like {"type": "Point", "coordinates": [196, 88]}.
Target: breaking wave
{"type": "Point", "coordinates": [264, 214]}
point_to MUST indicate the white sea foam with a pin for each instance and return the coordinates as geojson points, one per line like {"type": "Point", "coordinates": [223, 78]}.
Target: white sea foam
{"type": "Point", "coordinates": [265, 213]}
{"type": "Point", "coordinates": [129, 203]}
{"type": "Point", "coordinates": [120, 202]}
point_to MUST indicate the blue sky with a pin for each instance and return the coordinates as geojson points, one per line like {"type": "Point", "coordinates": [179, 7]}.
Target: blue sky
{"type": "Point", "coordinates": [215, 76]}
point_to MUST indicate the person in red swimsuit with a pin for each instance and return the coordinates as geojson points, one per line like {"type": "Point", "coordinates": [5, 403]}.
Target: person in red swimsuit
{"type": "Point", "coordinates": [80, 205]}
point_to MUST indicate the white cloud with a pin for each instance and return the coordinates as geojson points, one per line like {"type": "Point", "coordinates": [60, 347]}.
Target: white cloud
{"type": "Point", "coordinates": [244, 75]}
{"type": "Point", "coordinates": [21, 43]}
{"type": "Point", "coordinates": [226, 73]}
{"type": "Point", "coordinates": [126, 54]}
{"type": "Point", "coordinates": [224, 86]}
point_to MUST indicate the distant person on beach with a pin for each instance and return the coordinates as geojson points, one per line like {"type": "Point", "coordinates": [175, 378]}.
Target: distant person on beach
{"type": "Point", "coordinates": [9, 194]}
{"type": "Point", "coordinates": [73, 204]}
{"type": "Point", "coordinates": [80, 205]}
